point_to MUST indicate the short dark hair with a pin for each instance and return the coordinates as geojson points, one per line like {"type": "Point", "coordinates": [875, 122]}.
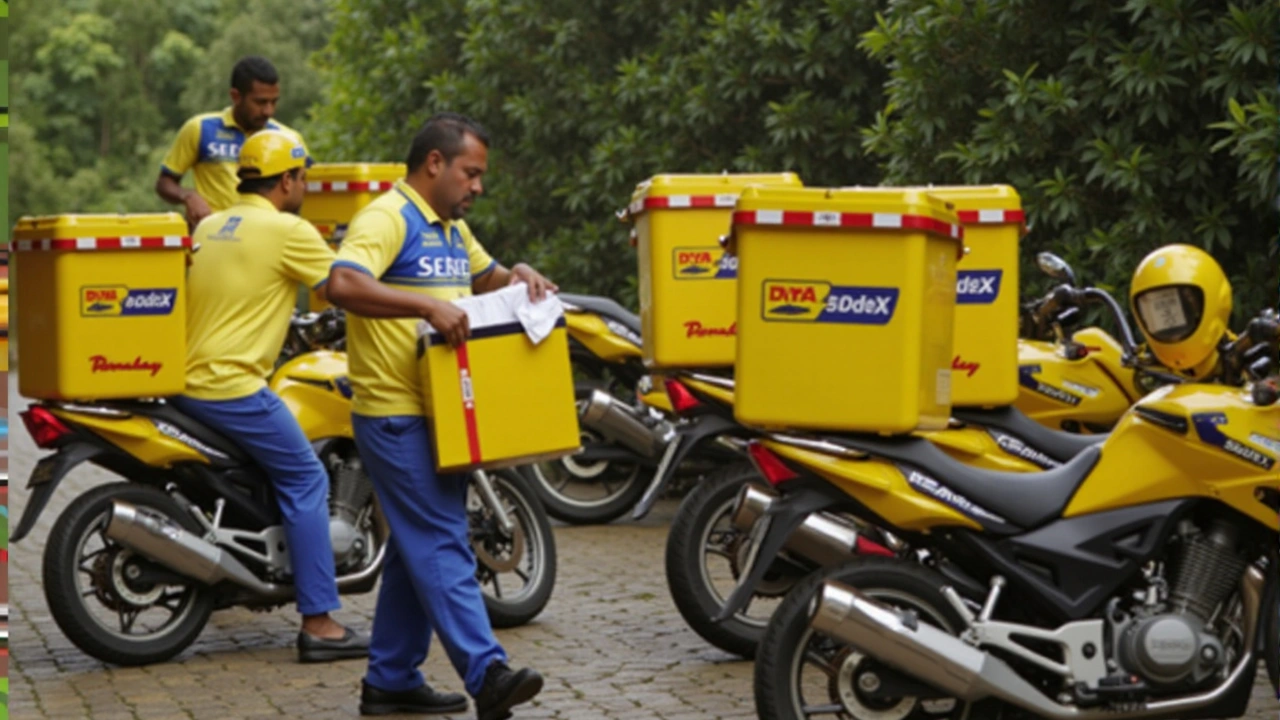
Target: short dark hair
{"type": "Point", "coordinates": [251, 182]}
{"type": "Point", "coordinates": [251, 68]}
{"type": "Point", "coordinates": [444, 132]}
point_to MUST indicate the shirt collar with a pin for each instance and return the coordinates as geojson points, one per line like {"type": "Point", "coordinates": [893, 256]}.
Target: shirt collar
{"type": "Point", "coordinates": [423, 207]}
{"type": "Point", "coordinates": [229, 119]}
{"type": "Point", "coordinates": [255, 200]}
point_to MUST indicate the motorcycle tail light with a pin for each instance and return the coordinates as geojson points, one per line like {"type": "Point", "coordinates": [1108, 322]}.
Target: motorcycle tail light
{"type": "Point", "coordinates": [770, 465]}
{"type": "Point", "coordinates": [45, 427]}
{"type": "Point", "coordinates": [682, 401]}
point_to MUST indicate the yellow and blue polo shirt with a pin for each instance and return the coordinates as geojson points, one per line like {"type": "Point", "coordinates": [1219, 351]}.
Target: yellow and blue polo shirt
{"type": "Point", "coordinates": [210, 143]}
{"type": "Point", "coordinates": [241, 289]}
{"type": "Point", "coordinates": [402, 242]}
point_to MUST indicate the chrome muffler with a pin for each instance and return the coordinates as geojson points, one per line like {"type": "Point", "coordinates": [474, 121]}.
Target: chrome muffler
{"type": "Point", "coordinates": [955, 667]}
{"type": "Point", "coordinates": [159, 538]}
{"type": "Point", "coordinates": [823, 538]}
{"type": "Point", "coordinates": [624, 424]}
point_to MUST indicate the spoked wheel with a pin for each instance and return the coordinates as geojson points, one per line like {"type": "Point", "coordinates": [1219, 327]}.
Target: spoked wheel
{"type": "Point", "coordinates": [800, 673]}
{"type": "Point", "coordinates": [112, 603]}
{"type": "Point", "coordinates": [704, 561]}
{"type": "Point", "coordinates": [516, 569]}
{"type": "Point", "coordinates": [584, 491]}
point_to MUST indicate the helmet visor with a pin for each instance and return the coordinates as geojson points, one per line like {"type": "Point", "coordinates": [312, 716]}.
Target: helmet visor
{"type": "Point", "coordinates": [1170, 314]}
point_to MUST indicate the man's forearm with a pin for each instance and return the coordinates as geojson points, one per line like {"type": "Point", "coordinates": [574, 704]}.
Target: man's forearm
{"type": "Point", "coordinates": [359, 293]}
{"type": "Point", "coordinates": [170, 190]}
{"type": "Point", "coordinates": [495, 279]}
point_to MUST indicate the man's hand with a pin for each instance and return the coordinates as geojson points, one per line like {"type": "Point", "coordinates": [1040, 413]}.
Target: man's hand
{"type": "Point", "coordinates": [538, 285]}
{"type": "Point", "coordinates": [449, 320]}
{"type": "Point", "coordinates": [197, 209]}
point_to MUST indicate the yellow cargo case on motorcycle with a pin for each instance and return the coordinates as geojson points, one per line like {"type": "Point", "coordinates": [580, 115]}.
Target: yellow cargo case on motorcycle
{"type": "Point", "coordinates": [335, 193]}
{"type": "Point", "coordinates": [846, 304]}
{"type": "Point", "coordinates": [103, 305]}
{"type": "Point", "coordinates": [500, 399]}
{"type": "Point", "coordinates": [984, 367]}
{"type": "Point", "coordinates": [688, 295]}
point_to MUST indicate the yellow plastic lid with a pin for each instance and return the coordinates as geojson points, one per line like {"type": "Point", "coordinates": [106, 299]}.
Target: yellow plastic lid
{"type": "Point", "coordinates": [884, 208]}
{"type": "Point", "coordinates": [101, 232]}
{"type": "Point", "coordinates": [353, 177]}
{"type": "Point", "coordinates": [981, 204]}
{"type": "Point", "coordinates": [701, 191]}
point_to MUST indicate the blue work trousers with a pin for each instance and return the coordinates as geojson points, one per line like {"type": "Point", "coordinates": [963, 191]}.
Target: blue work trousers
{"type": "Point", "coordinates": [262, 426]}
{"type": "Point", "coordinates": [429, 576]}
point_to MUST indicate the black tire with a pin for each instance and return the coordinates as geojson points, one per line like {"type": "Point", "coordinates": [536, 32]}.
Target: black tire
{"type": "Point", "coordinates": [688, 579]}
{"type": "Point", "coordinates": [549, 478]}
{"type": "Point", "coordinates": [786, 644]}
{"type": "Point", "coordinates": [85, 515]}
{"type": "Point", "coordinates": [524, 508]}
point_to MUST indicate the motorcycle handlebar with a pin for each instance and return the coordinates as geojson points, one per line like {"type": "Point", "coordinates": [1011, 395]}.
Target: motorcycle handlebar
{"type": "Point", "coordinates": [1067, 296]}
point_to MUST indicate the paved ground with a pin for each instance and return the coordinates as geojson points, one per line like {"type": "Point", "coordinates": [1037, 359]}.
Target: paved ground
{"type": "Point", "coordinates": [610, 643]}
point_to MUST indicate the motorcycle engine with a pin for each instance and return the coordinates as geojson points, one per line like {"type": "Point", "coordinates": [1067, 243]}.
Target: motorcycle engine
{"type": "Point", "coordinates": [350, 492]}
{"type": "Point", "coordinates": [1173, 642]}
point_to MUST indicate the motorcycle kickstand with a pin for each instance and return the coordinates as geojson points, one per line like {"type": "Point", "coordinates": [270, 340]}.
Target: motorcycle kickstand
{"type": "Point", "coordinates": [490, 498]}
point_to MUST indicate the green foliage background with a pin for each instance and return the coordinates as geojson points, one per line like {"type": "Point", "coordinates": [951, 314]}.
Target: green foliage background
{"type": "Point", "coordinates": [1124, 125]}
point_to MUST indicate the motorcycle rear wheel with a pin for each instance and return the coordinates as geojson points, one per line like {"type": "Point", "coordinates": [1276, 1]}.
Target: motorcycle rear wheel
{"type": "Point", "coordinates": [112, 574]}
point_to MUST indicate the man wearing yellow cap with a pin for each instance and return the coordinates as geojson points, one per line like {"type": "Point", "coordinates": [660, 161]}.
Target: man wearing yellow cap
{"type": "Point", "coordinates": [242, 286]}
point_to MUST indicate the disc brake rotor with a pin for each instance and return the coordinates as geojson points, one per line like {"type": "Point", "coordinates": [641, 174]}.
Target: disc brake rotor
{"type": "Point", "coordinates": [853, 680]}
{"type": "Point", "coordinates": [497, 554]}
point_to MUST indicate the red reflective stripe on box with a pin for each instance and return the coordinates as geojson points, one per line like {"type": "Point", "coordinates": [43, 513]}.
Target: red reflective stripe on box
{"type": "Point", "coordinates": [839, 219]}
{"type": "Point", "coordinates": [991, 217]}
{"type": "Point", "coordinates": [468, 403]}
{"type": "Point", "coordinates": [126, 242]}
{"type": "Point", "coordinates": [350, 186]}
{"type": "Point", "coordinates": [679, 202]}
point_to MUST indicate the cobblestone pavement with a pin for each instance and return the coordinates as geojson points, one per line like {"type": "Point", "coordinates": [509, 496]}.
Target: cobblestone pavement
{"type": "Point", "coordinates": [610, 643]}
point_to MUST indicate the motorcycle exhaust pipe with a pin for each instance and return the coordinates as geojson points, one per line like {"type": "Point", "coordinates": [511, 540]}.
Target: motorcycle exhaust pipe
{"type": "Point", "coordinates": [823, 538]}
{"type": "Point", "coordinates": [965, 672]}
{"type": "Point", "coordinates": [622, 423]}
{"type": "Point", "coordinates": [159, 538]}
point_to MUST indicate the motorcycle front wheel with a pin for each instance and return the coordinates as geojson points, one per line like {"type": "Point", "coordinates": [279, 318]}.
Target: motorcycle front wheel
{"type": "Point", "coordinates": [517, 569]}
{"type": "Point", "coordinates": [112, 603]}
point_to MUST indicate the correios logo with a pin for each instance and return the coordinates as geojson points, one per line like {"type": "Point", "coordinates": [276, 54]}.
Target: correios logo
{"type": "Point", "coordinates": [977, 287]}
{"type": "Point", "coordinates": [101, 363]}
{"type": "Point", "coordinates": [120, 301]}
{"type": "Point", "coordinates": [820, 301]}
{"type": "Point", "coordinates": [704, 263]}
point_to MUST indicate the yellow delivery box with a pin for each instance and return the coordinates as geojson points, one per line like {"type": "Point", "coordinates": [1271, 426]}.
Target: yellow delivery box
{"type": "Point", "coordinates": [984, 366]}
{"type": "Point", "coordinates": [505, 397]}
{"type": "Point", "coordinates": [688, 312]}
{"type": "Point", "coordinates": [846, 303]}
{"type": "Point", "coordinates": [336, 192]}
{"type": "Point", "coordinates": [102, 303]}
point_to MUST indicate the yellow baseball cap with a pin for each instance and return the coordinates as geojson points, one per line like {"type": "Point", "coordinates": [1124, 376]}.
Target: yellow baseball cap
{"type": "Point", "coordinates": [272, 152]}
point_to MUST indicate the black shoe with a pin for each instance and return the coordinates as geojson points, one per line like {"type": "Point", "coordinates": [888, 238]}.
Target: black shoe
{"type": "Point", "coordinates": [504, 689]}
{"type": "Point", "coordinates": [351, 645]}
{"type": "Point", "coordinates": [421, 700]}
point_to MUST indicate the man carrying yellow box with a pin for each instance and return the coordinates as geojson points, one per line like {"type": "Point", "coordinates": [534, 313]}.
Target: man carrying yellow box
{"type": "Point", "coordinates": [405, 257]}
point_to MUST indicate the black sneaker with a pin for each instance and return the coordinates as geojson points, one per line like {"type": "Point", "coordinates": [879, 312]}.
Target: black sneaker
{"type": "Point", "coordinates": [422, 700]}
{"type": "Point", "coordinates": [504, 689]}
{"type": "Point", "coordinates": [351, 645]}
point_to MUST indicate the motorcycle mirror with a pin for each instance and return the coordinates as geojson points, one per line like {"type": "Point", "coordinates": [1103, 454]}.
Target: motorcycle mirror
{"type": "Point", "coordinates": [1055, 267]}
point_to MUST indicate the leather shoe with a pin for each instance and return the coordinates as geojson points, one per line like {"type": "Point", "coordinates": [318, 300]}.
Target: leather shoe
{"type": "Point", "coordinates": [422, 700]}
{"type": "Point", "coordinates": [314, 649]}
{"type": "Point", "coordinates": [504, 689]}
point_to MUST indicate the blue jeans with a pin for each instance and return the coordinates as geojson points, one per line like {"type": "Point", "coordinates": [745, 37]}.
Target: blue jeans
{"type": "Point", "coordinates": [263, 427]}
{"type": "Point", "coordinates": [429, 575]}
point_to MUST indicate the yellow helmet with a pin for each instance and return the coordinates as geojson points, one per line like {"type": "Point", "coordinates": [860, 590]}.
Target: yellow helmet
{"type": "Point", "coordinates": [1182, 300]}
{"type": "Point", "coordinates": [272, 152]}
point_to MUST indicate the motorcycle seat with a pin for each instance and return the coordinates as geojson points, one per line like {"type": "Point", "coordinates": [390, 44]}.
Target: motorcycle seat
{"type": "Point", "coordinates": [1024, 500]}
{"type": "Point", "coordinates": [606, 307]}
{"type": "Point", "coordinates": [197, 430]}
{"type": "Point", "coordinates": [1057, 444]}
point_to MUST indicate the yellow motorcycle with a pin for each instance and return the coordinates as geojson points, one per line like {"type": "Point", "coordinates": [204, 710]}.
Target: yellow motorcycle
{"type": "Point", "coordinates": [133, 569]}
{"type": "Point", "coordinates": [1136, 581]}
